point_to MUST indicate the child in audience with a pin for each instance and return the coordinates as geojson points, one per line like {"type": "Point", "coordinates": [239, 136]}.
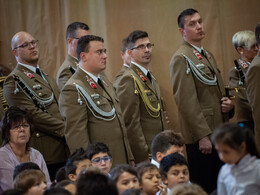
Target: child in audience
{"type": "Point", "coordinates": [236, 147]}
{"type": "Point", "coordinates": [31, 182]}
{"type": "Point", "coordinates": [67, 185]}
{"type": "Point", "coordinates": [187, 189]}
{"type": "Point", "coordinates": [75, 163]}
{"type": "Point", "coordinates": [100, 157]}
{"type": "Point", "coordinates": [174, 169]}
{"type": "Point", "coordinates": [125, 178]}
{"type": "Point", "coordinates": [150, 179]}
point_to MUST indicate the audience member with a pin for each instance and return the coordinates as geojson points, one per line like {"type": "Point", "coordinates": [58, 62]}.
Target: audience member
{"type": "Point", "coordinates": [200, 97]}
{"type": "Point", "coordinates": [253, 89]}
{"type": "Point", "coordinates": [165, 143]}
{"type": "Point", "coordinates": [139, 97]}
{"type": "Point", "coordinates": [187, 189]}
{"type": "Point", "coordinates": [125, 178]}
{"type": "Point", "coordinates": [29, 87]}
{"type": "Point", "coordinates": [67, 185]}
{"type": "Point", "coordinates": [100, 157]}
{"type": "Point", "coordinates": [90, 106]}
{"type": "Point", "coordinates": [74, 31]}
{"type": "Point", "coordinates": [92, 182]}
{"type": "Point", "coordinates": [174, 169]}
{"type": "Point", "coordinates": [31, 182]}
{"type": "Point", "coordinates": [150, 179]}
{"type": "Point", "coordinates": [56, 191]}
{"type": "Point", "coordinates": [13, 192]}
{"type": "Point", "coordinates": [17, 129]}
{"type": "Point", "coordinates": [75, 163]}
{"type": "Point", "coordinates": [236, 147]}
{"type": "Point", "coordinates": [60, 175]}
{"type": "Point", "coordinates": [246, 46]}
{"type": "Point", "coordinates": [24, 166]}
{"type": "Point", "coordinates": [133, 191]}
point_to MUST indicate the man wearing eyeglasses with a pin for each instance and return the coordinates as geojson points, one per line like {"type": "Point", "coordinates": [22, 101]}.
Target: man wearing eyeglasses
{"type": "Point", "coordinates": [139, 97]}
{"type": "Point", "coordinates": [200, 96]}
{"type": "Point", "coordinates": [90, 106]}
{"type": "Point", "coordinates": [29, 87]}
{"type": "Point", "coordinates": [74, 31]}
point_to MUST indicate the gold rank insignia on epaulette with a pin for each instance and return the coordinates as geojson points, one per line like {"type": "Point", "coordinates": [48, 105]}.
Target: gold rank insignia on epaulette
{"type": "Point", "coordinates": [139, 89]}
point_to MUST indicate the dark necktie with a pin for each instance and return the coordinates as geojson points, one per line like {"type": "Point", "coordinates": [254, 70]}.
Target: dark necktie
{"type": "Point", "coordinates": [100, 83]}
{"type": "Point", "coordinates": [204, 53]}
{"type": "Point", "coordinates": [149, 76]}
{"type": "Point", "coordinates": [38, 72]}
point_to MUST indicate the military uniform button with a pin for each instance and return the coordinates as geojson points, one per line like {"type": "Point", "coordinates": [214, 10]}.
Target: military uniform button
{"type": "Point", "coordinates": [98, 102]}
{"type": "Point", "coordinates": [37, 134]}
{"type": "Point", "coordinates": [40, 94]}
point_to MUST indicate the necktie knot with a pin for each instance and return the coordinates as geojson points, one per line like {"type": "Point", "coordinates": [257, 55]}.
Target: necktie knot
{"type": "Point", "coordinates": [100, 83]}
{"type": "Point", "coordinates": [203, 53]}
{"type": "Point", "coordinates": [38, 71]}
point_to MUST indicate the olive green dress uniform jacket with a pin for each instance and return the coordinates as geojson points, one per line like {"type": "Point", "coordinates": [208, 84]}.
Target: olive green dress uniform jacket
{"type": "Point", "coordinates": [243, 108]}
{"type": "Point", "coordinates": [66, 71]}
{"type": "Point", "coordinates": [198, 104]}
{"type": "Point", "coordinates": [141, 126]}
{"type": "Point", "coordinates": [48, 136]}
{"type": "Point", "coordinates": [119, 74]}
{"type": "Point", "coordinates": [84, 127]}
{"type": "Point", "coordinates": [253, 91]}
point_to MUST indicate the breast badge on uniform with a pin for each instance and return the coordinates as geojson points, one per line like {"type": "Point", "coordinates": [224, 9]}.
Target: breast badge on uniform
{"type": "Point", "coordinates": [37, 87]}
{"type": "Point", "coordinates": [30, 75]}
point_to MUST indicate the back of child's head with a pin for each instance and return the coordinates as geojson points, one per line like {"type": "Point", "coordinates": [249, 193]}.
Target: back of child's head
{"type": "Point", "coordinates": [144, 167]}
{"type": "Point", "coordinates": [133, 191]}
{"type": "Point", "coordinates": [28, 178]}
{"type": "Point", "coordinates": [92, 182]}
{"type": "Point", "coordinates": [73, 160]}
{"type": "Point", "coordinates": [60, 175]}
{"type": "Point", "coordinates": [187, 189]}
{"type": "Point", "coordinates": [164, 140]}
{"type": "Point", "coordinates": [24, 166]}
{"type": "Point", "coordinates": [56, 191]}
{"type": "Point", "coordinates": [233, 135]}
{"type": "Point", "coordinates": [120, 169]}
{"type": "Point", "coordinates": [13, 192]}
{"type": "Point", "coordinates": [96, 148]}
{"type": "Point", "coordinates": [172, 160]}
{"type": "Point", "coordinates": [67, 185]}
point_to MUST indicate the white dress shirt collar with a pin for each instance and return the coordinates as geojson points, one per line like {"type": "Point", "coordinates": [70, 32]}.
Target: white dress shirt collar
{"type": "Point", "coordinates": [91, 75]}
{"type": "Point", "coordinates": [144, 70]}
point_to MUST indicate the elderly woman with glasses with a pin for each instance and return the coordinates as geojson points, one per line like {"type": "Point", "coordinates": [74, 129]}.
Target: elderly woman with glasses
{"type": "Point", "coordinates": [16, 132]}
{"type": "Point", "coordinates": [246, 46]}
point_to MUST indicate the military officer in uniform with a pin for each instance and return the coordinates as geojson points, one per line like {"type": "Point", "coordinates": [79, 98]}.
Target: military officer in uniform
{"type": "Point", "coordinates": [253, 88]}
{"type": "Point", "coordinates": [126, 60]}
{"type": "Point", "coordinates": [246, 46]}
{"type": "Point", "coordinates": [200, 96]}
{"type": "Point", "coordinates": [74, 31]}
{"type": "Point", "coordinates": [139, 97]}
{"type": "Point", "coordinates": [89, 104]}
{"type": "Point", "coordinates": [29, 87]}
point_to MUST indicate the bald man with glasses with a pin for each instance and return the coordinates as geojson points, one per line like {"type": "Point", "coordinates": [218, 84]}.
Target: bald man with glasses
{"type": "Point", "coordinates": [29, 87]}
{"type": "Point", "coordinates": [139, 97]}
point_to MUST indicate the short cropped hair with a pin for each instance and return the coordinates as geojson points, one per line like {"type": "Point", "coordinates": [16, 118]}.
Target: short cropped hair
{"type": "Point", "coordinates": [244, 38]}
{"type": "Point", "coordinates": [56, 191]}
{"type": "Point", "coordinates": [120, 169]}
{"type": "Point", "coordinates": [24, 166]}
{"type": "Point", "coordinates": [257, 33]}
{"type": "Point", "coordinates": [172, 160]}
{"type": "Point", "coordinates": [83, 43]}
{"type": "Point", "coordinates": [164, 140]}
{"type": "Point", "coordinates": [144, 167]}
{"type": "Point", "coordinates": [73, 27]}
{"type": "Point", "coordinates": [183, 14]}
{"type": "Point", "coordinates": [134, 36]}
{"type": "Point", "coordinates": [96, 148]}
{"type": "Point", "coordinates": [187, 189]}
{"type": "Point", "coordinates": [73, 160]}
{"type": "Point", "coordinates": [124, 45]}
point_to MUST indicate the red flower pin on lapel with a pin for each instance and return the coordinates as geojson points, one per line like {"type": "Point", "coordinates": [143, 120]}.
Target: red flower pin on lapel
{"type": "Point", "coordinates": [197, 54]}
{"type": "Point", "coordinates": [92, 84]}
{"type": "Point", "coordinates": [30, 75]}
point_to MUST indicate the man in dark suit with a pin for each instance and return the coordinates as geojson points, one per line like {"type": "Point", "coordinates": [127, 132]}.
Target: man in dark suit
{"type": "Point", "coordinates": [89, 104]}
{"type": "Point", "coordinates": [253, 88]}
{"type": "Point", "coordinates": [200, 96]}
{"type": "Point", "coordinates": [29, 87]}
{"type": "Point", "coordinates": [139, 97]}
{"type": "Point", "coordinates": [74, 31]}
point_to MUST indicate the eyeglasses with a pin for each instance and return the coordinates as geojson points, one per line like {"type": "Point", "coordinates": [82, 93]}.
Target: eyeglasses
{"type": "Point", "coordinates": [17, 127]}
{"type": "Point", "coordinates": [33, 43]}
{"type": "Point", "coordinates": [143, 46]}
{"type": "Point", "coordinates": [98, 160]}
